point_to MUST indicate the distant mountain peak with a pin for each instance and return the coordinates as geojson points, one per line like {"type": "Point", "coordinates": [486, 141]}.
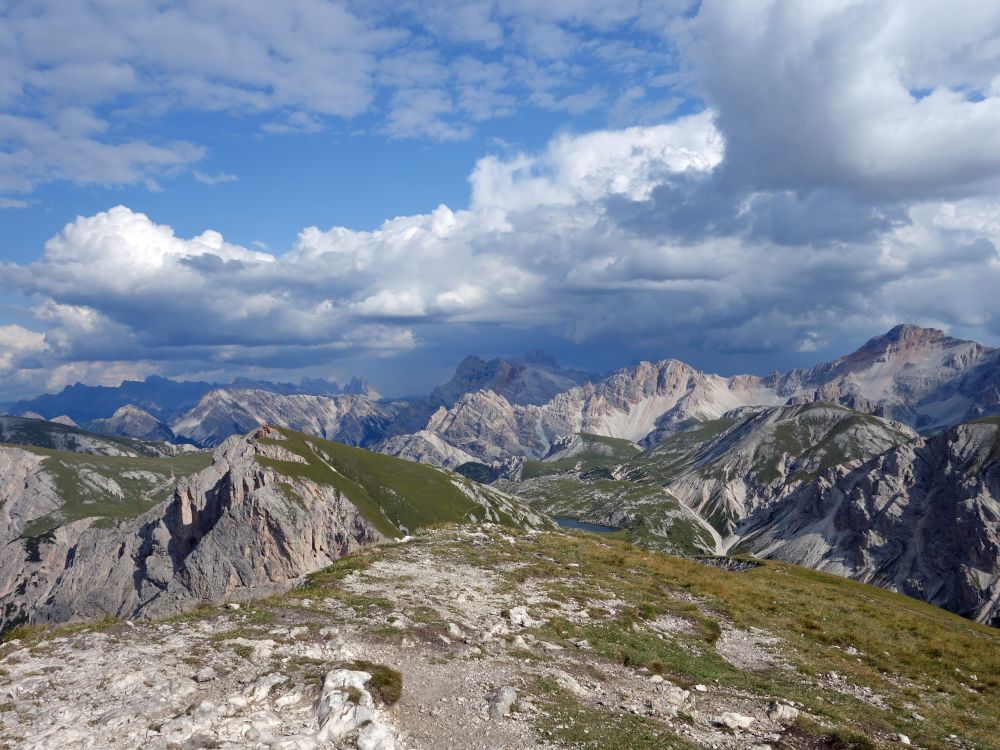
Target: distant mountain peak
{"type": "Point", "coordinates": [130, 410]}
{"type": "Point", "coordinates": [533, 379]}
{"type": "Point", "coordinates": [132, 421]}
{"type": "Point", "coordinates": [904, 338]}
{"type": "Point", "coordinates": [360, 387]}
{"type": "Point", "coordinates": [911, 335]}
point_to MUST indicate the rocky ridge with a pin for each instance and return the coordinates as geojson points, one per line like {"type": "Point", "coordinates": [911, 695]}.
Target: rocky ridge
{"type": "Point", "coordinates": [272, 507]}
{"type": "Point", "coordinates": [60, 436]}
{"type": "Point", "coordinates": [500, 408]}
{"type": "Point", "coordinates": [490, 638]}
{"type": "Point", "coordinates": [919, 377]}
{"type": "Point", "coordinates": [632, 404]}
{"type": "Point", "coordinates": [355, 419]}
{"type": "Point", "coordinates": [922, 519]}
{"type": "Point", "coordinates": [729, 469]}
{"type": "Point", "coordinates": [533, 379]}
{"type": "Point", "coordinates": [915, 375]}
{"type": "Point", "coordinates": [131, 421]}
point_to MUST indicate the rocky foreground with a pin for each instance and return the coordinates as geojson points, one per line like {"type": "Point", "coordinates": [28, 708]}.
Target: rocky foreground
{"type": "Point", "coordinates": [492, 637]}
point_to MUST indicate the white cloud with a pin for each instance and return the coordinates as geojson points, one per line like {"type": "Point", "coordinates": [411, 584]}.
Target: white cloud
{"type": "Point", "coordinates": [64, 148]}
{"type": "Point", "coordinates": [296, 122]}
{"type": "Point", "coordinates": [843, 178]}
{"type": "Point", "coordinates": [86, 84]}
{"type": "Point", "coordinates": [588, 167]}
{"type": "Point", "coordinates": [17, 343]}
{"type": "Point", "coordinates": [538, 249]}
{"type": "Point", "coordinates": [866, 95]}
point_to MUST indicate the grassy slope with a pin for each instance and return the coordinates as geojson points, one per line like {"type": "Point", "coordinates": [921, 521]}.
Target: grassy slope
{"type": "Point", "coordinates": [662, 522]}
{"type": "Point", "coordinates": [664, 461]}
{"type": "Point", "coordinates": [395, 495]}
{"type": "Point", "coordinates": [918, 658]}
{"type": "Point", "coordinates": [600, 452]}
{"type": "Point", "coordinates": [83, 500]}
{"type": "Point", "coordinates": [557, 489]}
{"type": "Point", "coordinates": [55, 436]}
{"type": "Point", "coordinates": [820, 432]}
{"type": "Point", "coordinates": [815, 436]}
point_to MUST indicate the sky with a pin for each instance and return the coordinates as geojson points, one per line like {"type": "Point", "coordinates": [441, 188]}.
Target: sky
{"type": "Point", "coordinates": [311, 188]}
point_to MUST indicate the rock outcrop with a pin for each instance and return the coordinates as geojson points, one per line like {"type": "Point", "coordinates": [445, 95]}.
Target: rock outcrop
{"type": "Point", "coordinates": [922, 519]}
{"type": "Point", "coordinates": [226, 531]}
{"type": "Point", "coordinates": [266, 512]}
{"type": "Point", "coordinates": [355, 420]}
{"type": "Point", "coordinates": [131, 421]}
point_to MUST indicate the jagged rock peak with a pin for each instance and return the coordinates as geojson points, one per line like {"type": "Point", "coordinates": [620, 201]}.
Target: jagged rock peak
{"type": "Point", "coordinates": [534, 379]}
{"type": "Point", "coordinates": [361, 387]}
{"type": "Point", "coordinates": [905, 337]}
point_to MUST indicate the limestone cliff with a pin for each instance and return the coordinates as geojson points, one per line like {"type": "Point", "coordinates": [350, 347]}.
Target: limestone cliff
{"type": "Point", "coordinates": [272, 507]}
{"type": "Point", "coordinates": [922, 519]}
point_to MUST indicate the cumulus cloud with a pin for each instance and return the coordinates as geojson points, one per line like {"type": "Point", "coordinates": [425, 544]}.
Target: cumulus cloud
{"type": "Point", "coordinates": [543, 247]}
{"type": "Point", "coordinates": [842, 177]}
{"type": "Point", "coordinates": [897, 98]}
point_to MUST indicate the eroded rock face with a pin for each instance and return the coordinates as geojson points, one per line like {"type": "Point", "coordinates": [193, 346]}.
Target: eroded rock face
{"type": "Point", "coordinates": [234, 529]}
{"type": "Point", "coordinates": [26, 492]}
{"type": "Point", "coordinates": [636, 404]}
{"type": "Point", "coordinates": [767, 453]}
{"type": "Point", "coordinates": [918, 376]}
{"type": "Point", "coordinates": [425, 447]}
{"type": "Point", "coordinates": [353, 419]}
{"type": "Point", "coordinates": [922, 519]}
{"type": "Point", "coordinates": [131, 421]}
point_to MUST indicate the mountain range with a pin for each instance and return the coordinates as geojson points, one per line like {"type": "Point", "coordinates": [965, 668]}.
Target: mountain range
{"type": "Point", "coordinates": [878, 465]}
{"type": "Point", "coordinates": [490, 410]}
{"type": "Point", "coordinates": [163, 399]}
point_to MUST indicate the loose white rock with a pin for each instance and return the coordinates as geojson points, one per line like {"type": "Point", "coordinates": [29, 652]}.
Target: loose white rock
{"type": "Point", "coordinates": [782, 713]}
{"type": "Point", "coordinates": [500, 701]}
{"type": "Point", "coordinates": [733, 720]}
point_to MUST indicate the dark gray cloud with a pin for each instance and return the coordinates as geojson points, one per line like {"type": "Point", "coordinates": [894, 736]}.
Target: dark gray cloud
{"type": "Point", "coordinates": [814, 201]}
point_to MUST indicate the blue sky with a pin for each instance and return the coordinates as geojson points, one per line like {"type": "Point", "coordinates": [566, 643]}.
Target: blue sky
{"type": "Point", "coordinates": [322, 188]}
